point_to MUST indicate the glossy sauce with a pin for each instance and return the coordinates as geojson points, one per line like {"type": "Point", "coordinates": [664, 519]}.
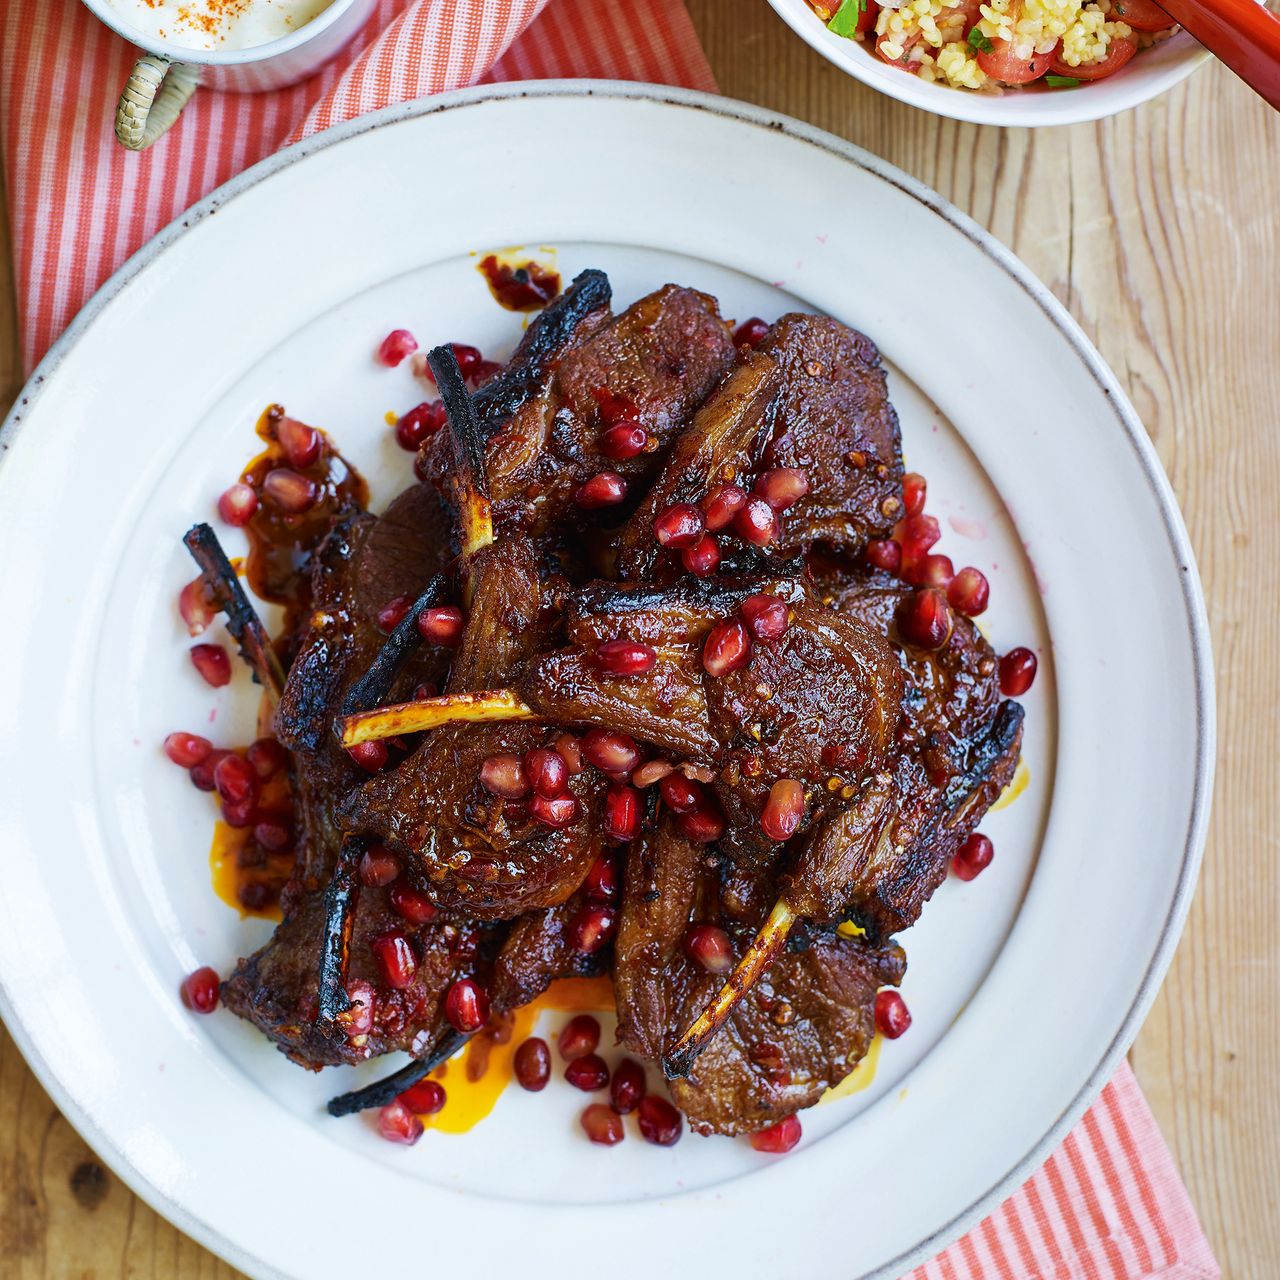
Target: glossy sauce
{"type": "Point", "coordinates": [1017, 785]}
{"type": "Point", "coordinates": [859, 1078]}
{"type": "Point", "coordinates": [246, 876]}
{"type": "Point", "coordinates": [519, 286]}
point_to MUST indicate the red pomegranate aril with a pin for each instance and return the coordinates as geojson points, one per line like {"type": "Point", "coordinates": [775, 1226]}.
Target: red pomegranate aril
{"type": "Point", "coordinates": [602, 880]}
{"type": "Point", "coordinates": [469, 358]}
{"type": "Point", "coordinates": [783, 810]}
{"type": "Point", "coordinates": [917, 534]}
{"type": "Point", "coordinates": [932, 571]}
{"type": "Point", "coordinates": [419, 424]}
{"type": "Point", "coordinates": [555, 812]}
{"type": "Point", "coordinates": [200, 990]}
{"type": "Point", "coordinates": [973, 856]}
{"type": "Point", "coordinates": [603, 1125]}
{"type": "Point", "coordinates": [392, 614]}
{"type": "Point", "coordinates": [370, 756]}
{"type": "Point", "coordinates": [267, 756]}
{"type": "Point", "coordinates": [703, 825]}
{"type": "Point", "coordinates": [197, 608]}
{"type": "Point", "coordinates": [778, 1138]}
{"type": "Point", "coordinates": [623, 440]}
{"type": "Point", "coordinates": [660, 1123]}
{"type": "Point", "coordinates": [884, 554]}
{"type": "Point", "coordinates": [727, 648]}
{"type": "Point", "coordinates": [757, 522]}
{"type": "Point", "coordinates": [357, 1021]}
{"type": "Point", "coordinates": [615, 753]}
{"type": "Point", "coordinates": [442, 625]}
{"type": "Point", "coordinates": [398, 344]}
{"type": "Point", "coordinates": [237, 504]}
{"type": "Point", "coordinates": [925, 619]}
{"type": "Point", "coordinates": [892, 1015]}
{"type": "Point", "coordinates": [709, 946]}
{"type": "Point", "coordinates": [579, 1037]}
{"type": "Point", "coordinates": [187, 749]}
{"type": "Point", "coordinates": [625, 657]}
{"type": "Point", "coordinates": [587, 1073]}
{"type": "Point", "coordinates": [396, 1123]}
{"type": "Point", "coordinates": [504, 776]}
{"type": "Point", "coordinates": [301, 443]}
{"type": "Point", "coordinates": [235, 779]}
{"type": "Point", "coordinates": [411, 905]}
{"type": "Point", "coordinates": [272, 834]}
{"type": "Point", "coordinates": [605, 489]}
{"type": "Point", "coordinates": [569, 749]}
{"type": "Point", "coordinates": [766, 616]}
{"type": "Point", "coordinates": [722, 504]}
{"type": "Point", "coordinates": [650, 772]}
{"type": "Point", "coordinates": [466, 1005]}
{"type": "Point", "coordinates": [627, 1087]}
{"type": "Point", "coordinates": [750, 333]}
{"type": "Point", "coordinates": [290, 492]}
{"type": "Point", "coordinates": [239, 813]}
{"type": "Point", "coordinates": [1017, 672]}
{"type": "Point", "coordinates": [396, 960]}
{"type": "Point", "coordinates": [680, 525]}
{"type": "Point", "coordinates": [424, 1098]}
{"type": "Point", "coordinates": [546, 772]}
{"type": "Point", "coordinates": [621, 818]}
{"type": "Point", "coordinates": [592, 927]}
{"type": "Point", "coordinates": [969, 592]}
{"type": "Point", "coordinates": [378, 867]}
{"type": "Point", "coordinates": [202, 773]}
{"type": "Point", "coordinates": [913, 493]}
{"type": "Point", "coordinates": [679, 794]}
{"type": "Point", "coordinates": [703, 557]}
{"type": "Point", "coordinates": [532, 1064]}
{"type": "Point", "coordinates": [211, 661]}
{"type": "Point", "coordinates": [782, 487]}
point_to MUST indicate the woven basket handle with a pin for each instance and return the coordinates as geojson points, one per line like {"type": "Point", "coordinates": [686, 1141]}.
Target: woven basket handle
{"type": "Point", "coordinates": [152, 100]}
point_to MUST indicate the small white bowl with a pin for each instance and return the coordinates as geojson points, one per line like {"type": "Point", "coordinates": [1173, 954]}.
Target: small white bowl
{"type": "Point", "coordinates": [1150, 73]}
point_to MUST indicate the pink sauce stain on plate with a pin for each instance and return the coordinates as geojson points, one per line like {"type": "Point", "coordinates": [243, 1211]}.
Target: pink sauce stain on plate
{"type": "Point", "coordinates": [968, 528]}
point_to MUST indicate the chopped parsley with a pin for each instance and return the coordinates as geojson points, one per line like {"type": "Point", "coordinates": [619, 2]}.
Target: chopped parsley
{"type": "Point", "coordinates": [1062, 82]}
{"type": "Point", "coordinates": [980, 42]}
{"type": "Point", "coordinates": [845, 22]}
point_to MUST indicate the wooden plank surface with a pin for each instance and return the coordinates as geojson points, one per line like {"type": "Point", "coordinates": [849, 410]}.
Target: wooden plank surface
{"type": "Point", "coordinates": [1159, 230]}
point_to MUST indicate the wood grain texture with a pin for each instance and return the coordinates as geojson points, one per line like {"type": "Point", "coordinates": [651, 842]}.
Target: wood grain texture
{"type": "Point", "coordinates": [1159, 230]}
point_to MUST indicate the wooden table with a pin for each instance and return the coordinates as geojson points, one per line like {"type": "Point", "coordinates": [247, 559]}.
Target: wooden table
{"type": "Point", "coordinates": [1160, 231]}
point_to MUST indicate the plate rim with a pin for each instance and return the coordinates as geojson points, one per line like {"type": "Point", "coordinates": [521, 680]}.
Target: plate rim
{"type": "Point", "coordinates": [1175, 529]}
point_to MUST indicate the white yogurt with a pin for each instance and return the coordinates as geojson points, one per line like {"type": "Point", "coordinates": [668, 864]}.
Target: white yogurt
{"type": "Point", "coordinates": [216, 24]}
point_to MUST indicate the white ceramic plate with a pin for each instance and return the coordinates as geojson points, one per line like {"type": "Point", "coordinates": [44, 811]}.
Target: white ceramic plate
{"type": "Point", "coordinates": [1026, 985]}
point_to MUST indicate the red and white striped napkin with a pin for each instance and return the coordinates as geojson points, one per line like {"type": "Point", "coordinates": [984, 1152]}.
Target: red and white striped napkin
{"type": "Point", "coordinates": [1108, 1204]}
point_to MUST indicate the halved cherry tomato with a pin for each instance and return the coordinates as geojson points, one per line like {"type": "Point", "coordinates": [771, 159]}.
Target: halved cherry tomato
{"type": "Point", "coordinates": [1001, 63]}
{"type": "Point", "coordinates": [1141, 15]}
{"type": "Point", "coordinates": [1119, 52]}
{"type": "Point", "coordinates": [867, 16]}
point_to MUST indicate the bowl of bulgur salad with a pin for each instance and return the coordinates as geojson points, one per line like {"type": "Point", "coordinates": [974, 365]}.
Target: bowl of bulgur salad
{"type": "Point", "coordinates": [1011, 62]}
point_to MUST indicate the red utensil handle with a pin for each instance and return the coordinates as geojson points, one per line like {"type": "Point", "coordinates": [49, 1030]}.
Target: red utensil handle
{"type": "Point", "coordinates": [1240, 33]}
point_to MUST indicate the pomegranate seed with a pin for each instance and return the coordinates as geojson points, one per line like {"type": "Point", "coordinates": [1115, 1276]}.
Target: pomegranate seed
{"type": "Point", "coordinates": [415, 428]}
{"type": "Point", "coordinates": [301, 443]}
{"type": "Point", "coordinates": [613, 407]}
{"type": "Point", "coordinates": [469, 358]}
{"type": "Point", "coordinates": [235, 779]}
{"type": "Point", "coordinates": [267, 756]}
{"type": "Point", "coordinates": [424, 1098]}
{"type": "Point", "coordinates": [239, 813]}
{"type": "Point", "coordinates": [410, 904]}
{"type": "Point", "coordinates": [623, 440]}
{"type": "Point", "coordinates": [570, 751]}
{"type": "Point", "coordinates": [722, 504]}
{"type": "Point", "coordinates": [625, 657]}
{"type": "Point", "coordinates": [580, 1036]}
{"type": "Point", "coordinates": [782, 487]}
{"type": "Point", "coordinates": [627, 1086]}
{"type": "Point", "coordinates": [533, 1064]}
{"type": "Point", "coordinates": [603, 1125]}
{"type": "Point", "coordinates": [918, 534]}
{"type": "Point", "coordinates": [778, 1138]}
{"type": "Point", "coordinates": [272, 834]}
{"type": "Point", "coordinates": [546, 771]}
{"type": "Point", "coordinates": [1017, 671]}
{"type": "Point", "coordinates": [378, 867]}
{"type": "Point", "coordinates": [757, 522]}
{"type": "Point", "coordinates": [370, 756]}
{"type": "Point", "coordinates": [750, 333]}
{"type": "Point", "coordinates": [587, 1073]}
{"type": "Point", "coordinates": [766, 616]}
{"type": "Point", "coordinates": [200, 989]}
{"type": "Point", "coordinates": [969, 592]}
{"type": "Point", "coordinates": [395, 959]}
{"type": "Point", "coordinates": [884, 554]}
{"type": "Point", "coordinates": [621, 819]}
{"type": "Point", "coordinates": [211, 661]}
{"type": "Point", "coordinates": [679, 794]}
{"type": "Point", "coordinates": [614, 753]}
{"type": "Point", "coordinates": [202, 773]}
{"type": "Point", "coordinates": [704, 825]}
{"type": "Point", "coordinates": [555, 812]}
{"type": "Point", "coordinates": [602, 880]}
{"type": "Point", "coordinates": [680, 525]}
{"type": "Point", "coordinates": [466, 1005]}
{"type": "Point", "coordinates": [291, 492]}
{"type": "Point", "coordinates": [504, 776]}
{"type": "Point", "coordinates": [592, 927]}
{"type": "Point", "coordinates": [442, 626]}
{"type": "Point", "coordinates": [932, 571]}
{"type": "Point", "coordinates": [395, 346]}
{"type": "Point", "coordinates": [650, 772]}
{"type": "Point", "coordinates": [392, 614]}
{"type": "Point", "coordinates": [703, 557]}
{"type": "Point", "coordinates": [709, 946]}
{"type": "Point", "coordinates": [236, 505]}
{"type": "Point", "coordinates": [973, 857]}
{"type": "Point", "coordinates": [396, 1123]}
{"type": "Point", "coordinates": [892, 1015]}
{"type": "Point", "coordinates": [913, 493]}
{"type": "Point", "coordinates": [357, 1021]}
{"type": "Point", "coordinates": [605, 489]}
{"type": "Point", "coordinates": [728, 648]}
{"type": "Point", "coordinates": [196, 606]}
{"type": "Point", "coordinates": [783, 809]}
{"type": "Point", "coordinates": [659, 1121]}
{"type": "Point", "coordinates": [925, 619]}
{"type": "Point", "coordinates": [187, 749]}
